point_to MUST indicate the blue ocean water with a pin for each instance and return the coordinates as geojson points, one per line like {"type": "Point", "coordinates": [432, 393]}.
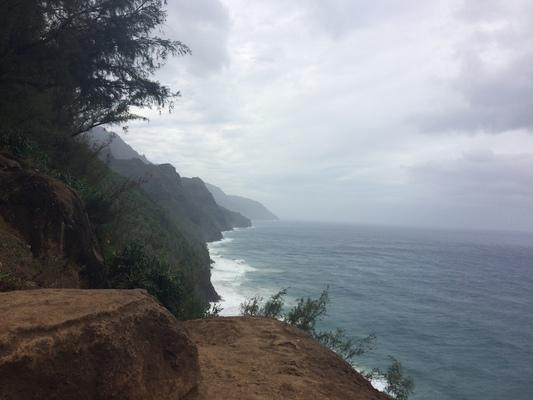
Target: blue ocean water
{"type": "Point", "coordinates": [456, 307]}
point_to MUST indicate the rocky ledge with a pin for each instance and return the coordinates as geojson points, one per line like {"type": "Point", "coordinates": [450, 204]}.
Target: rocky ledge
{"type": "Point", "coordinates": [73, 344]}
{"type": "Point", "coordinates": [243, 358]}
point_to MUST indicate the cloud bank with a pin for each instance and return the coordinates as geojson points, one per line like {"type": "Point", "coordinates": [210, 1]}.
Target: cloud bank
{"type": "Point", "coordinates": [372, 112]}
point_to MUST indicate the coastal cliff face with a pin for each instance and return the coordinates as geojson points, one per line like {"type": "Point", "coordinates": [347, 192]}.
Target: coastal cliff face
{"type": "Point", "coordinates": [221, 218]}
{"type": "Point", "coordinates": [121, 344]}
{"type": "Point", "coordinates": [186, 199]}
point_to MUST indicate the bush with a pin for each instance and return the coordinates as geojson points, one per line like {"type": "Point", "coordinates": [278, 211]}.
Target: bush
{"type": "Point", "coordinates": [304, 316]}
{"type": "Point", "coordinates": [256, 306]}
{"type": "Point", "coordinates": [274, 306]}
{"type": "Point", "coordinates": [17, 142]}
{"type": "Point", "coordinates": [306, 313]}
{"type": "Point", "coordinates": [398, 385]}
{"type": "Point", "coordinates": [346, 346]}
{"type": "Point", "coordinates": [174, 289]}
{"type": "Point", "coordinates": [251, 307]}
{"type": "Point", "coordinates": [212, 311]}
{"type": "Point", "coordinates": [9, 282]}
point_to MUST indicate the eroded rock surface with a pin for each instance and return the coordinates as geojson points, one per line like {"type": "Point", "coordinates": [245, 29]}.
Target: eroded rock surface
{"type": "Point", "coordinates": [51, 218]}
{"type": "Point", "coordinates": [263, 359]}
{"type": "Point", "coordinates": [92, 344]}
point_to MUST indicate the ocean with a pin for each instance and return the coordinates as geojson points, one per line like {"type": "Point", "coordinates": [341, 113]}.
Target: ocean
{"type": "Point", "coordinates": [455, 307]}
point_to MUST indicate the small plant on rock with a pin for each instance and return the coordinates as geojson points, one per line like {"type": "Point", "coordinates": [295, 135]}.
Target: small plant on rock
{"type": "Point", "coordinates": [305, 315]}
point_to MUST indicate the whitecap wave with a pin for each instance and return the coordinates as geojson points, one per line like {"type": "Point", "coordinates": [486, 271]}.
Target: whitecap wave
{"type": "Point", "coordinates": [219, 243]}
{"type": "Point", "coordinates": [227, 276]}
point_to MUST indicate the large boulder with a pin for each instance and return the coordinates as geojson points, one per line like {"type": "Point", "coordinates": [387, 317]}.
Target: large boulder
{"type": "Point", "coordinates": [51, 218]}
{"type": "Point", "coordinates": [92, 344]}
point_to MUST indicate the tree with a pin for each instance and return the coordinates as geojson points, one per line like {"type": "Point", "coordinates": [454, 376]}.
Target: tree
{"type": "Point", "coordinates": [91, 60]}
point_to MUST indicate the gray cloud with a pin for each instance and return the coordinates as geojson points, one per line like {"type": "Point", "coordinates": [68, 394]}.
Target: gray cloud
{"type": "Point", "coordinates": [481, 177]}
{"type": "Point", "coordinates": [495, 79]}
{"type": "Point", "coordinates": [308, 106]}
{"type": "Point", "coordinates": [340, 16]}
{"type": "Point", "coordinates": [204, 26]}
{"type": "Point", "coordinates": [496, 101]}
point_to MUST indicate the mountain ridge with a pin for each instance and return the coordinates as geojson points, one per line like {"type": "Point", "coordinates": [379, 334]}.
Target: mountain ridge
{"type": "Point", "coordinates": [187, 197]}
{"type": "Point", "coordinates": [250, 208]}
{"type": "Point", "coordinates": [113, 148]}
{"type": "Point", "coordinates": [110, 143]}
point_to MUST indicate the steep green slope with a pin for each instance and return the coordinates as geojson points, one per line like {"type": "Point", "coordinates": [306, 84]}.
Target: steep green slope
{"type": "Point", "coordinates": [166, 236]}
{"type": "Point", "coordinates": [222, 218]}
{"type": "Point", "coordinates": [66, 68]}
{"type": "Point", "coordinates": [186, 200]}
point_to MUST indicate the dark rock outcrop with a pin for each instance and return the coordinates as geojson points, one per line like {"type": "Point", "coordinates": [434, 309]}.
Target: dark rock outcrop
{"type": "Point", "coordinates": [236, 219]}
{"type": "Point", "coordinates": [68, 344]}
{"type": "Point", "coordinates": [51, 218]}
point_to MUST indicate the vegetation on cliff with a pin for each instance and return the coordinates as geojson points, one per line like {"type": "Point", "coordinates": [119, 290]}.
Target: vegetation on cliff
{"type": "Point", "coordinates": [67, 66]}
{"type": "Point", "coordinates": [186, 199]}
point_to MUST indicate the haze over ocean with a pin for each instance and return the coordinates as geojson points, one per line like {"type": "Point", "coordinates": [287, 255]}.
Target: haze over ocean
{"type": "Point", "coordinates": [455, 307]}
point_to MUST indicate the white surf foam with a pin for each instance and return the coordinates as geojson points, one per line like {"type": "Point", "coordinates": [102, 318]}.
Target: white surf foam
{"type": "Point", "coordinates": [227, 276]}
{"type": "Point", "coordinates": [377, 381]}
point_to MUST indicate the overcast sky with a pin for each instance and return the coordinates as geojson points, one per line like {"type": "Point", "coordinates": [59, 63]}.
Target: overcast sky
{"type": "Point", "coordinates": [385, 111]}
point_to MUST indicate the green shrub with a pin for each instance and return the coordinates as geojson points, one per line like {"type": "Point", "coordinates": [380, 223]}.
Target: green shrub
{"type": "Point", "coordinates": [212, 311]}
{"type": "Point", "coordinates": [256, 306]}
{"type": "Point", "coordinates": [17, 142]}
{"type": "Point", "coordinates": [174, 289]}
{"type": "Point", "coordinates": [398, 385]}
{"type": "Point", "coordinates": [307, 312]}
{"type": "Point", "coordinates": [251, 307]}
{"type": "Point", "coordinates": [346, 346]}
{"type": "Point", "coordinates": [8, 282]}
{"type": "Point", "coordinates": [305, 315]}
{"type": "Point", "coordinates": [273, 307]}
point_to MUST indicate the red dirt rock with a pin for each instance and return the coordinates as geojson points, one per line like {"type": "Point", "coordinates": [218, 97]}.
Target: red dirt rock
{"type": "Point", "coordinates": [244, 358]}
{"type": "Point", "coordinates": [69, 344]}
